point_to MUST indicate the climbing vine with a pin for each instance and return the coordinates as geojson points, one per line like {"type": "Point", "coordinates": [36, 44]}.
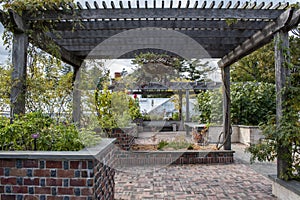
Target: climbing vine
{"type": "Point", "coordinates": [285, 134]}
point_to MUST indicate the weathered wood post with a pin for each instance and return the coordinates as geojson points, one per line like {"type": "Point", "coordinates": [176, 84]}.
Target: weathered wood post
{"type": "Point", "coordinates": [18, 77]}
{"type": "Point", "coordinates": [181, 127]}
{"type": "Point", "coordinates": [282, 73]}
{"type": "Point", "coordinates": [76, 114]}
{"type": "Point", "coordinates": [187, 106]}
{"type": "Point", "coordinates": [226, 107]}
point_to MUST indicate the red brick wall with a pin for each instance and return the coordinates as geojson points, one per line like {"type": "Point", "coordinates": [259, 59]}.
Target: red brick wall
{"type": "Point", "coordinates": [62, 178]}
{"type": "Point", "coordinates": [54, 179]}
{"type": "Point", "coordinates": [124, 137]}
{"type": "Point", "coordinates": [175, 157]}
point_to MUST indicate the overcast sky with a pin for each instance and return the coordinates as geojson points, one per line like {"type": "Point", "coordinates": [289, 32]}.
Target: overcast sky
{"type": "Point", "coordinates": [3, 52]}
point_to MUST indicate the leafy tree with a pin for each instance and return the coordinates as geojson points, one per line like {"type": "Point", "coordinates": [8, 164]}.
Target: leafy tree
{"type": "Point", "coordinates": [259, 66]}
{"type": "Point", "coordinates": [5, 82]}
{"type": "Point", "coordinates": [194, 70]}
{"type": "Point", "coordinates": [151, 67]}
{"type": "Point", "coordinates": [251, 104]}
{"type": "Point", "coordinates": [49, 85]}
{"type": "Point", "coordinates": [115, 109]}
{"type": "Point", "coordinates": [210, 106]}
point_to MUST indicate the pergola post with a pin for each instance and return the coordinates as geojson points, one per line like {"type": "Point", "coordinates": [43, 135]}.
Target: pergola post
{"type": "Point", "coordinates": [281, 74]}
{"type": "Point", "coordinates": [187, 106]}
{"type": "Point", "coordinates": [181, 127]}
{"type": "Point", "coordinates": [76, 113]}
{"type": "Point", "coordinates": [18, 77]}
{"type": "Point", "coordinates": [226, 107]}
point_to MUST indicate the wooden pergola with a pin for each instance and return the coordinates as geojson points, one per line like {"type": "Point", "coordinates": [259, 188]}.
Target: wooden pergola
{"type": "Point", "coordinates": [228, 31]}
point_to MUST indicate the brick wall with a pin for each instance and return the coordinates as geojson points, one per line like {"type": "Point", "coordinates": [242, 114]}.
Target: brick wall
{"type": "Point", "coordinates": [46, 176]}
{"type": "Point", "coordinates": [124, 137]}
{"type": "Point", "coordinates": [126, 159]}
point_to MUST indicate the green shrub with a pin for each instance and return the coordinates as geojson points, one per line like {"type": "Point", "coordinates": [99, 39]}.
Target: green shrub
{"type": "Point", "coordinates": [251, 104]}
{"type": "Point", "coordinates": [162, 144]}
{"type": "Point", "coordinates": [52, 135]}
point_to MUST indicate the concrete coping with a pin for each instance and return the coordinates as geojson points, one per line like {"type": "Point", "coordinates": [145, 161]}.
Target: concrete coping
{"type": "Point", "coordinates": [87, 153]}
{"type": "Point", "coordinates": [292, 185]}
{"type": "Point", "coordinates": [240, 126]}
{"type": "Point", "coordinates": [245, 126]}
{"type": "Point", "coordinates": [186, 151]}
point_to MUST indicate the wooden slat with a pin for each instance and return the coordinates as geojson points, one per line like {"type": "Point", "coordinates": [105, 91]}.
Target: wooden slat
{"type": "Point", "coordinates": [121, 4]}
{"type": "Point", "coordinates": [104, 5]}
{"type": "Point", "coordinates": [88, 6]}
{"type": "Point", "coordinates": [221, 4]}
{"type": "Point", "coordinates": [228, 5]}
{"type": "Point", "coordinates": [237, 5]}
{"type": "Point", "coordinates": [96, 5]}
{"type": "Point", "coordinates": [187, 4]}
{"type": "Point", "coordinates": [79, 6]}
{"type": "Point", "coordinates": [212, 5]}
{"type": "Point", "coordinates": [129, 4]}
{"type": "Point", "coordinates": [252, 5]}
{"type": "Point", "coordinates": [160, 13]}
{"type": "Point", "coordinates": [112, 5]}
{"type": "Point", "coordinates": [269, 5]}
{"type": "Point", "coordinates": [196, 4]}
{"type": "Point", "coordinates": [260, 6]}
{"type": "Point", "coordinates": [204, 4]}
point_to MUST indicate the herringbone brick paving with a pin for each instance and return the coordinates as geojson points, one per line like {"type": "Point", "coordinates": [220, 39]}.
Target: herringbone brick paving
{"type": "Point", "coordinates": [183, 182]}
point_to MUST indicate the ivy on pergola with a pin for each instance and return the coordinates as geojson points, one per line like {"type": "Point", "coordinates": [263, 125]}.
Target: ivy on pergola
{"type": "Point", "coordinates": [227, 31]}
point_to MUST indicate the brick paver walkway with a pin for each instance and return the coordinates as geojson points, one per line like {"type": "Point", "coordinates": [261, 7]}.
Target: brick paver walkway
{"type": "Point", "coordinates": [234, 181]}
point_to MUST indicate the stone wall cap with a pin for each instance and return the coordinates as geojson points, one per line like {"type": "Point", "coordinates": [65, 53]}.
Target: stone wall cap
{"type": "Point", "coordinates": [292, 185]}
{"type": "Point", "coordinates": [87, 153]}
{"type": "Point", "coordinates": [245, 126]}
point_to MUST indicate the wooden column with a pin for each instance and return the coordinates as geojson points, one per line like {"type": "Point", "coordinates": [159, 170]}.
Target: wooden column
{"type": "Point", "coordinates": [226, 107]}
{"type": "Point", "coordinates": [76, 114]}
{"type": "Point", "coordinates": [187, 106]}
{"type": "Point", "coordinates": [181, 127]}
{"type": "Point", "coordinates": [281, 74]}
{"type": "Point", "coordinates": [19, 62]}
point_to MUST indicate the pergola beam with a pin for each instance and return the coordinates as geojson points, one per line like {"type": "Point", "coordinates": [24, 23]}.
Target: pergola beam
{"type": "Point", "coordinates": [97, 40]}
{"type": "Point", "coordinates": [132, 24]}
{"type": "Point", "coordinates": [157, 13]}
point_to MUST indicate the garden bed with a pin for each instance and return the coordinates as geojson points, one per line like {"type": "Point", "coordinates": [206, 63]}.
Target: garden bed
{"type": "Point", "coordinates": [154, 147]}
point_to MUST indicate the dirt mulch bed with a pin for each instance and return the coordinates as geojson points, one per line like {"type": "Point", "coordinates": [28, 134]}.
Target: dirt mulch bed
{"type": "Point", "coordinates": [153, 147]}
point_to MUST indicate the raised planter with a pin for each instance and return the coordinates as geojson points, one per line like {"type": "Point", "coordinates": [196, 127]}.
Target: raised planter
{"type": "Point", "coordinates": [243, 134]}
{"type": "Point", "coordinates": [155, 158]}
{"type": "Point", "coordinates": [124, 136]}
{"type": "Point", "coordinates": [160, 125]}
{"type": "Point", "coordinates": [86, 174]}
{"type": "Point", "coordinates": [285, 190]}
